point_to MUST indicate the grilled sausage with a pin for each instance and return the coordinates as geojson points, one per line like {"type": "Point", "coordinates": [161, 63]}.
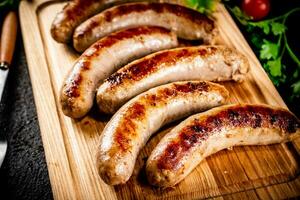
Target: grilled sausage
{"type": "Point", "coordinates": [73, 14]}
{"type": "Point", "coordinates": [211, 63]}
{"type": "Point", "coordinates": [185, 22]}
{"type": "Point", "coordinates": [130, 128]}
{"type": "Point", "coordinates": [76, 12]}
{"type": "Point", "coordinates": [201, 135]}
{"type": "Point", "coordinates": [103, 58]}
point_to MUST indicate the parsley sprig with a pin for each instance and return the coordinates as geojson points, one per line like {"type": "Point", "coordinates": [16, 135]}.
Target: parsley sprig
{"type": "Point", "coordinates": [270, 43]}
{"type": "Point", "coordinates": [270, 40]}
{"type": "Point", "coordinates": [203, 6]}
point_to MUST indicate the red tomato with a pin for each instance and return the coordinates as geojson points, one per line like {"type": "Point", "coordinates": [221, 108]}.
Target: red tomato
{"type": "Point", "coordinates": [257, 9]}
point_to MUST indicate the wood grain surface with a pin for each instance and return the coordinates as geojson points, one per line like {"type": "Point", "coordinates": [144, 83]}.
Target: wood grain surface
{"type": "Point", "coordinates": [257, 172]}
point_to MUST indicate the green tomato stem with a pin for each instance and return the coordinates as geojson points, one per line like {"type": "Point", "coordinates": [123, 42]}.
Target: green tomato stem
{"type": "Point", "coordinates": [279, 39]}
{"type": "Point", "coordinates": [291, 53]}
{"type": "Point", "coordinates": [284, 16]}
{"type": "Point", "coordinates": [241, 20]}
{"type": "Point", "coordinates": [280, 36]}
{"type": "Point", "coordinates": [282, 52]}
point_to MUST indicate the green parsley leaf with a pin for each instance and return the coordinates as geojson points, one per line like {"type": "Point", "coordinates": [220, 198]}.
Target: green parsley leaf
{"type": "Point", "coordinates": [240, 15]}
{"type": "Point", "coordinates": [296, 88]}
{"type": "Point", "coordinates": [256, 40]}
{"type": "Point", "coordinates": [262, 25]}
{"type": "Point", "coordinates": [296, 74]}
{"type": "Point", "coordinates": [278, 79]}
{"type": "Point", "coordinates": [269, 50]}
{"type": "Point", "coordinates": [192, 3]}
{"type": "Point", "coordinates": [203, 6]}
{"type": "Point", "coordinates": [277, 28]}
{"type": "Point", "coordinates": [275, 67]}
{"type": "Point", "coordinates": [270, 42]}
{"type": "Point", "coordinates": [266, 28]}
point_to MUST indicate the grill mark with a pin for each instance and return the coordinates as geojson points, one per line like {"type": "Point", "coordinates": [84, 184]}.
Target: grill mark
{"type": "Point", "coordinates": [190, 87]}
{"type": "Point", "coordinates": [178, 89]}
{"type": "Point", "coordinates": [127, 129]}
{"type": "Point", "coordinates": [136, 111]}
{"type": "Point", "coordinates": [170, 156]}
{"type": "Point", "coordinates": [163, 95]}
{"type": "Point", "coordinates": [77, 8]}
{"type": "Point", "coordinates": [114, 38]}
{"type": "Point", "coordinates": [245, 116]}
{"type": "Point", "coordinates": [83, 64]}
{"type": "Point", "coordinates": [72, 87]}
{"type": "Point", "coordinates": [138, 70]}
{"type": "Point", "coordinates": [257, 121]}
{"type": "Point", "coordinates": [159, 8]}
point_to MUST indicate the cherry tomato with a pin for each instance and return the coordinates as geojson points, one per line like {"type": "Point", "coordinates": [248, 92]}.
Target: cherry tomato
{"type": "Point", "coordinates": [257, 9]}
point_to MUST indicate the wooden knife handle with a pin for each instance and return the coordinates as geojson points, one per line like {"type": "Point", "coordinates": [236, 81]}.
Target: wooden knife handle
{"type": "Point", "coordinates": [8, 39]}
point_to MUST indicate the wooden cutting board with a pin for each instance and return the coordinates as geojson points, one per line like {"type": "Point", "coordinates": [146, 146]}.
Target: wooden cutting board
{"type": "Point", "coordinates": [70, 145]}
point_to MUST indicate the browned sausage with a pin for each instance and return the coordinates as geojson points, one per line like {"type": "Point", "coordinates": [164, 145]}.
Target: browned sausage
{"type": "Point", "coordinates": [201, 135]}
{"type": "Point", "coordinates": [185, 22]}
{"type": "Point", "coordinates": [103, 58]}
{"type": "Point", "coordinates": [76, 12]}
{"type": "Point", "coordinates": [210, 63]}
{"type": "Point", "coordinates": [130, 128]}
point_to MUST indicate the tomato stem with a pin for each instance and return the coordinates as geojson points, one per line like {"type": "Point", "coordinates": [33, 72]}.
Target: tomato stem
{"type": "Point", "coordinates": [284, 17]}
{"type": "Point", "coordinates": [291, 53]}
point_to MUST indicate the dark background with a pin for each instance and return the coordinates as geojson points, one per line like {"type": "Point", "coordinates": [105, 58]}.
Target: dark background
{"type": "Point", "coordinates": [23, 174]}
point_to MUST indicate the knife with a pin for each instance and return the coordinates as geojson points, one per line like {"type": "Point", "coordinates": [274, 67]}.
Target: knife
{"type": "Point", "coordinates": [7, 46]}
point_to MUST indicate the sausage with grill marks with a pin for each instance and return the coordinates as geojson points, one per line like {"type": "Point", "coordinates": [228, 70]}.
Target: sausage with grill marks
{"type": "Point", "coordinates": [185, 22]}
{"type": "Point", "coordinates": [130, 128]}
{"type": "Point", "coordinates": [210, 63]}
{"type": "Point", "coordinates": [201, 135]}
{"type": "Point", "coordinates": [76, 12]}
{"type": "Point", "coordinates": [103, 58]}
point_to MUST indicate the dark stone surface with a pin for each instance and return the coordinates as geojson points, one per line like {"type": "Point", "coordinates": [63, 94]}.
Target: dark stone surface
{"type": "Point", "coordinates": [23, 174]}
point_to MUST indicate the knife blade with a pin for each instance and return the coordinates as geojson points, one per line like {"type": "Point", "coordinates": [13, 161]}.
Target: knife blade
{"type": "Point", "coordinates": [7, 46]}
{"type": "Point", "coordinates": [3, 77]}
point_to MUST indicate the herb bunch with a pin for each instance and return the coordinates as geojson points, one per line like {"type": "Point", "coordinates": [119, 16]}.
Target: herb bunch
{"type": "Point", "coordinates": [203, 6]}
{"type": "Point", "coordinates": [270, 41]}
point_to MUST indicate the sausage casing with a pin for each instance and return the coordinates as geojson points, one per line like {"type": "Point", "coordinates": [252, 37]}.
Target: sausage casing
{"type": "Point", "coordinates": [201, 135]}
{"type": "Point", "coordinates": [76, 12]}
{"type": "Point", "coordinates": [103, 58]}
{"type": "Point", "coordinates": [131, 127]}
{"type": "Point", "coordinates": [210, 63]}
{"type": "Point", "coordinates": [185, 22]}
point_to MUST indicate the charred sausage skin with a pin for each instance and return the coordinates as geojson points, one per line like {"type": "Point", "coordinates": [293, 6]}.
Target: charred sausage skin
{"type": "Point", "coordinates": [131, 127]}
{"type": "Point", "coordinates": [103, 58]}
{"type": "Point", "coordinates": [201, 135]}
